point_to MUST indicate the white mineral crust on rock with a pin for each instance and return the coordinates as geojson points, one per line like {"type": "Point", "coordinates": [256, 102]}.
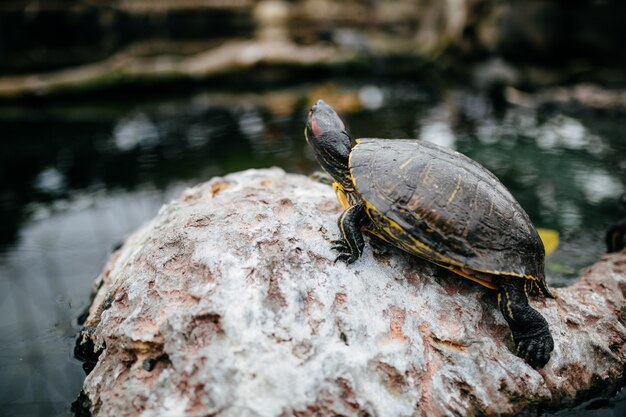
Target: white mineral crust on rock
{"type": "Point", "coordinates": [229, 303]}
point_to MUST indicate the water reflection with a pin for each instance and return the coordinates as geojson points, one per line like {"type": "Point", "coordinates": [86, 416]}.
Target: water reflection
{"type": "Point", "coordinates": [49, 181]}
{"type": "Point", "coordinates": [371, 97]}
{"type": "Point", "coordinates": [599, 185]}
{"type": "Point", "coordinates": [135, 130]}
{"type": "Point", "coordinates": [46, 280]}
{"type": "Point", "coordinates": [76, 180]}
{"type": "Point", "coordinates": [435, 127]}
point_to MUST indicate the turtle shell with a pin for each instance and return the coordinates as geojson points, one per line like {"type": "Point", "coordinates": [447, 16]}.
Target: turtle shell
{"type": "Point", "coordinates": [439, 204]}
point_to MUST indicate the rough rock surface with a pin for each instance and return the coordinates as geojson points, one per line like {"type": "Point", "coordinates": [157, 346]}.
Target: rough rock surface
{"type": "Point", "coordinates": [228, 303]}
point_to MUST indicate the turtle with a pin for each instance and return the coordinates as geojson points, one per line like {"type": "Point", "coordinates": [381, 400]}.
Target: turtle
{"type": "Point", "coordinates": [441, 206]}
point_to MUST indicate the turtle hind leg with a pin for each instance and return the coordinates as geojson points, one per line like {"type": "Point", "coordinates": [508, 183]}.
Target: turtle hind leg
{"type": "Point", "coordinates": [350, 246]}
{"type": "Point", "coordinates": [530, 330]}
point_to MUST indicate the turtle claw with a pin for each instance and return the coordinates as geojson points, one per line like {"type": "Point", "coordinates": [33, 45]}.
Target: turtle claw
{"type": "Point", "coordinates": [345, 251]}
{"type": "Point", "coordinates": [535, 350]}
{"type": "Point", "coordinates": [344, 257]}
{"type": "Point", "coordinates": [340, 246]}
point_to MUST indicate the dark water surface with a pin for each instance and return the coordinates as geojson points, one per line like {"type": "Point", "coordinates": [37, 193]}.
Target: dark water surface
{"type": "Point", "coordinates": [77, 178]}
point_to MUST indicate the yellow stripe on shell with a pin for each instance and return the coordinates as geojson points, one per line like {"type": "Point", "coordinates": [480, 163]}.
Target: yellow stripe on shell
{"type": "Point", "coordinates": [424, 250]}
{"type": "Point", "coordinates": [456, 190]}
{"type": "Point", "coordinates": [407, 162]}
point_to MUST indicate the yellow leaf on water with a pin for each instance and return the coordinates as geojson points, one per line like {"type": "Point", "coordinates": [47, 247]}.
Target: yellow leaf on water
{"type": "Point", "coordinates": [550, 239]}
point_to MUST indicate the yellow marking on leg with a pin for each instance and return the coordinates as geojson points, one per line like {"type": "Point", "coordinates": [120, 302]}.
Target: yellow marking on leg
{"type": "Point", "coordinates": [341, 195]}
{"type": "Point", "coordinates": [343, 232]}
{"type": "Point", "coordinates": [456, 189]}
{"type": "Point", "coordinates": [508, 305]}
{"type": "Point", "coordinates": [360, 251]}
{"type": "Point", "coordinates": [538, 288]}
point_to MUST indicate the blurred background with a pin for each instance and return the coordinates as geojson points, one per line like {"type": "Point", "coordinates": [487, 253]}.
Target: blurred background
{"type": "Point", "coordinates": [109, 108]}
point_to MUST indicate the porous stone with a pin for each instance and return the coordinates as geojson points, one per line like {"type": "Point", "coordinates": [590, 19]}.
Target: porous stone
{"type": "Point", "coordinates": [228, 303]}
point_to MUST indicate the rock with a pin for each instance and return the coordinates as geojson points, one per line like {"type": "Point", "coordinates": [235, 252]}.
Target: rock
{"type": "Point", "coordinates": [229, 303]}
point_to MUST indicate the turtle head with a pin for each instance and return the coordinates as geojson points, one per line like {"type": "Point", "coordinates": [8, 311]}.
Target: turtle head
{"type": "Point", "coordinates": [326, 133]}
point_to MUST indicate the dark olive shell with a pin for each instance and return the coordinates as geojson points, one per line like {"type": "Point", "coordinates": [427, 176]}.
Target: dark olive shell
{"type": "Point", "coordinates": [439, 204]}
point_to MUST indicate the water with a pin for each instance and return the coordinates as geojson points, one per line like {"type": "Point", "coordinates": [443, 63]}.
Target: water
{"type": "Point", "coordinates": [78, 177]}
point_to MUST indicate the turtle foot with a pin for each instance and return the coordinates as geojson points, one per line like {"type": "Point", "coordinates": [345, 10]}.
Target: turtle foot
{"type": "Point", "coordinates": [350, 246]}
{"type": "Point", "coordinates": [346, 254]}
{"type": "Point", "coordinates": [536, 349]}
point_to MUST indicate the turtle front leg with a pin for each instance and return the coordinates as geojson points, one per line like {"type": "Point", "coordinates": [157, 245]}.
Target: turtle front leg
{"type": "Point", "coordinates": [350, 246]}
{"type": "Point", "coordinates": [530, 330]}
